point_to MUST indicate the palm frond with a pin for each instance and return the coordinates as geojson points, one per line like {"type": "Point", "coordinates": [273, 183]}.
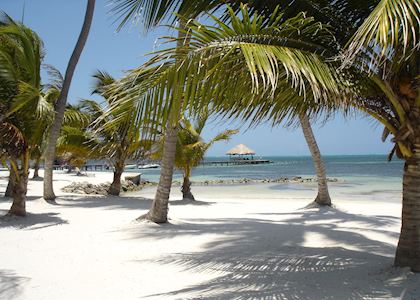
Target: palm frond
{"type": "Point", "coordinates": [56, 78]}
{"type": "Point", "coordinates": [392, 27]}
{"type": "Point", "coordinates": [102, 81]}
{"type": "Point", "coordinates": [13, 142]}
{"type": "Point", "coordinates": [263, 57]}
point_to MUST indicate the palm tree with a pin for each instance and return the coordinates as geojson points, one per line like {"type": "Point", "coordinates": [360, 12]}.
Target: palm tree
{"type": "Point", "coordinates": [151, 12]}
{"type": "Point", "coordinates": [385, 49]}
{"type": "Point", "coordinates": [22, 104]}
{"type": "Point", "coordinates": [116, 142]}
{"type": "Point", "coordinates": [190, 149]}
{"type": "Point", "coordinates": [60, 106]}
{"type": "Point", "coordinates": [281, 67]}
{"type": "Point", "coordinates": [90, 132]}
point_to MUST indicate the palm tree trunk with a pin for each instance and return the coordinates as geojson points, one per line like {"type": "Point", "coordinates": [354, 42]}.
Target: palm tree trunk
{"type": "Point", "coordinates": [36, 169]}
{"type": "Point", "coordinates": [158, 213]}
{"type": "Point", "coordinates": [408, 250]}
{"type": "Point", "coordinates": [20, 187]}
{"type": "Point", "coordinates": [186, 189]}
{"type": "Point", "coordinates": [115, 187]}
{"type": "Point", "coordinates": [61, 103]}
{"type": "Point", "coordinates": [19, 196]}
{"type": "Point", "coordinates": [323, 197]}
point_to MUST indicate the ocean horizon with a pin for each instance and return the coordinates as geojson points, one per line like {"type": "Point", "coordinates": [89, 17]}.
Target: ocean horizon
{"type": "Point", "coordinates": [337, 166]}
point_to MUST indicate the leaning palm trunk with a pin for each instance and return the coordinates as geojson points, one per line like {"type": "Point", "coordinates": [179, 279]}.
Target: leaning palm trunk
{"type": "Point", "coordinates": [115, 187]}
{"type": "Point", "coordinates": [61, 103]}
{"type": "Point", "coordinates": [408, 250]}
{"type": "Point", "coordinates": [159, 211]}
{"type": "Point", "coordinates": [323, 197]}
{"type": "Point", "coordinates": [186, 189]}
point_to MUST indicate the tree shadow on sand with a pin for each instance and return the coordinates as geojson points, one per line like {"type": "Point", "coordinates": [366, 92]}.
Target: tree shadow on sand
{"type": "Point", "coordinates": [28, 198]}
{"type": "Point", "coordinates": [108, 202]}
{"type": "Point", "coordinates": [32, 221]}
{"type": "Point", "coordinates": [10, 284]}
{"type": "Point", "coordinates": [119, 202]}
{"type": "Point", "coordinates": [263, 259]}
{"type": "Point", "coordinates": [189, 202]}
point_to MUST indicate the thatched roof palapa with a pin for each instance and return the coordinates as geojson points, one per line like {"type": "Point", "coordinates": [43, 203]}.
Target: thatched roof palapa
{"type": "Point", "coordinates": [240, 149]}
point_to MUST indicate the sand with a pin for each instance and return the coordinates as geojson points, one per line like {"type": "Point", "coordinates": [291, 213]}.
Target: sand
{"type": "Point", "coordinates": [236, 242]}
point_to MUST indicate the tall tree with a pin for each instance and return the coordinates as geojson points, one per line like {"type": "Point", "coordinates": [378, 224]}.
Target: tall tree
{"type": "Point", "coordinates": [60, 106]}
{"type": "Point", "coordinates": [151, 12]}
{"type": "Point", "coordinates": [275, 68]}
{"type": "Point", "coordinates": [22, 105]}
{"type": "Point", "coordinates": [90, 132]}
{"type": "Point", "coordinates": [115, 142]}
{"type": "Point", "coordinates": [385, 50]}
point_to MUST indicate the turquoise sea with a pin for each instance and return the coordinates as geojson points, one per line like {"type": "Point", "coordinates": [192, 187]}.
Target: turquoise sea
{"type": "Point", "coordinates": [340, 166]}
{"type": "Point", "coordinates": [360, 176]}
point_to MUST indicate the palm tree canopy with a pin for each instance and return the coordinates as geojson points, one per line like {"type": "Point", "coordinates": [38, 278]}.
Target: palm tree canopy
{"type": "Point", "coordinates": [87, 133]}
{"type": "Point", "coordinates": [24, 106]}
{"type": "Point", "coordinates": [343, 15]}
{"type": "Point", "coordinates": [391, 30]}
{"type": "Point", "coordinates": [385, 52]}
{"type": "Point", "coordinates": [278, 60]}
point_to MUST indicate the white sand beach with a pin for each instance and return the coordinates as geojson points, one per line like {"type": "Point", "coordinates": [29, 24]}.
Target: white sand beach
{"type": "Point", "coordinates": [235, 242]}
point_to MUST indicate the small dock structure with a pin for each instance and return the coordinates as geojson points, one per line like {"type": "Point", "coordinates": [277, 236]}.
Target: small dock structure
{"type": "Point", "coordinates": [238, 155]}
{"type": "Point", "coordinates": [235, 162]}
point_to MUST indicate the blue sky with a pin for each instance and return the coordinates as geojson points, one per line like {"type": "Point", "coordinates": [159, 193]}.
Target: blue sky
{"type": "Point", "coordinates": [59, 22]}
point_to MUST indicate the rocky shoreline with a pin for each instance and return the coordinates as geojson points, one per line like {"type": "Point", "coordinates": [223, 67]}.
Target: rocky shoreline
{"type": "Point", "coordinates": [296, 179]}
{"type": "Point", "coordinates": [87, 188]}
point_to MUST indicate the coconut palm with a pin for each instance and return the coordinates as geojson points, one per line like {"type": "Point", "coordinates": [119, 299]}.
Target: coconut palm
{"type": "Point", "coordinates": [128, 139]}
{"type": "Point", "coordinates": [191, 148]}
{"type": "Point", "coordinates": [151, 12]}
{"type": "Point", "coordinates": [22, 104]}
{"type": "Point", "coordinates": [91, 133]}
{"type": "Point", "coordinates": [385, 49]}
{"type": "Point", "coordinates": [271, 56]}
{"type": "Point", "coordinates": [60, 106]}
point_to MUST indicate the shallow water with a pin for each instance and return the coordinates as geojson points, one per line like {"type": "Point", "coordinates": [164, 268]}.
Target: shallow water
{"type": "Point", "coordinates": [360, 167]}
{"type": "Point", "coordinates": [360, 177]}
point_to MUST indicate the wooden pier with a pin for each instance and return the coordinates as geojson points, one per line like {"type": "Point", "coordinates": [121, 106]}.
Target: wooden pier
{"type": "Point", "coordinates": [84, 168]}
{"type": "Point", "coordinates": [235, 162]}
{"type": "Point", "coordinates": [232, 162]}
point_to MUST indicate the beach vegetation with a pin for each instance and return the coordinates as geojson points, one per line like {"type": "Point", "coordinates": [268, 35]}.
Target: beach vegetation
{"type": "Point", "coordinates": [294, 72]}
{"type": "Point", "coordinates": [90, 132]}
{"type": "Point", "coordinates": [24, 107]}
{"type": "Point", "coordinates": [268, 59]}
{"type": "Point", "coordinates": [385, 50]}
